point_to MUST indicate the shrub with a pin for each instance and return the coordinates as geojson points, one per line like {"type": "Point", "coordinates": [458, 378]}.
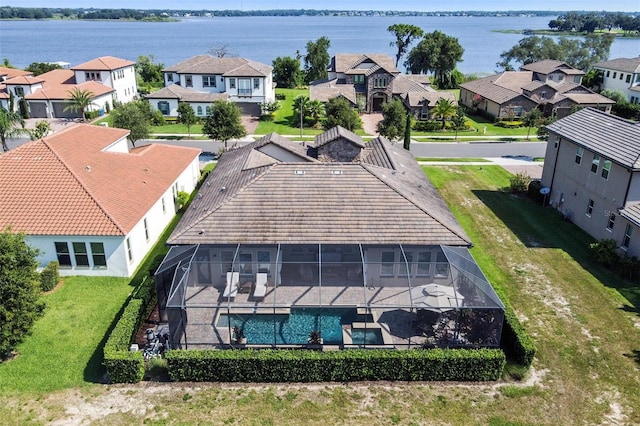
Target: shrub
{"type": "Point", "coordinates": [519, 182]}
{"type": "Point", "coordinates": [515, 341]}
{"type": "Point", "coordinates": [124, 366]}
{"type": "Point", "coordinates": [509, 124]}
{"type": "Point", "coordinates": [629, 267]}
{"type": "Point", "coordinates": [183, 199]}
{"type": "Point", "coordinates": [280, 97]}
{"type": "Point", "coordinates": [605, 252]}
{"type": "Point", "coordinates": [427, 126]}
{"type": "Point", "coordinates": [533, 191]}
{"type": "Point", "coordinates": [627, 110]}
{"type": "Point", "coordinates": [49, 276]}
{"type": "Point", "coordinates": [90, 115]}
{"type": "Point", "coordinates": [274, 365]}
{"type": "Point", "coordinates": [266, 117]}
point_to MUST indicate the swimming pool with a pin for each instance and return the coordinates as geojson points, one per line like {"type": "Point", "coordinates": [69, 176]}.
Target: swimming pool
{"type": "Point", "coordinates": [293, 328]}
{"type": "Point", "coordinates": [367, 336]}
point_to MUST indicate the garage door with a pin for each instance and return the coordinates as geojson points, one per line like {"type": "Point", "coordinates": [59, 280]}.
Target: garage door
{"type": "Point", "coordinates": [38, 109]}
{"type": "Point", "coordinates": [59, 112]}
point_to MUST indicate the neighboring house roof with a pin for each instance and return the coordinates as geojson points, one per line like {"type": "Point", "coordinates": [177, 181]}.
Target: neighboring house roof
{"type": "Point", "coordinates": [70, 184]}
{"type": "Point", "coordinates": [8, 73]}
{"type": "Point", "coordinates": [337, 133]}
{"type": "Point", "coordinates": [548, 66]}
{"type": "Point", "coordinates": [323, 90]}
{"type": "Point", "coordinates": [612, 137]}
{"type": "Point", "coordinates": [231, 67]}
{"type": "Point", "coordinates": [588, 98]}
{"type": "Point", "coordinates": [24, 80]}
{"type": "Point", "coordinates": [422, 79]}
{"type": "Point", "coordinates": [403, 84]}
{"type": "Point", "coordinates": [502, 87]}
{"type": "Point", "coordinates": [103, 63]}
{"type": "Point", "coordinates": [632, 213]}
{"type": "Point", "coordinates": [630, 65]}
{"type": "Point", "coordinates": [343, 62]}
{"type": "Point", "coordinates": [58, 77]}
{"type": "Point", "coordinates": [175, 91]}
{"type": "Point", "coordinates": [416, 99]}
{"type": "Point", "coordinates": [384, 199]}
{"type": "Point", "coordinates": [63, 91]}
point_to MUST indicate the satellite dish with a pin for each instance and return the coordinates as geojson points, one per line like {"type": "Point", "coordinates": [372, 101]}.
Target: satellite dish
{"type": "Point", "coordinates": [545, 191]}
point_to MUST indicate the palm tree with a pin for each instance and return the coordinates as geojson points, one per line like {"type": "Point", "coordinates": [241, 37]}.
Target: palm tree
{"type": "Point", "coordinates": [315, 109]}
{"type": "Point", "coordinates": [81, 99]}
{"type": "Point", "coordinates": [444, 109]}
{"type": "Point", "coordinates": [11, 125]}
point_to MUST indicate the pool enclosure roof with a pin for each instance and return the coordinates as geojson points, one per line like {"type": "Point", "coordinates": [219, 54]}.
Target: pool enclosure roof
{"type": "Point", "coordinates": [437, 278]}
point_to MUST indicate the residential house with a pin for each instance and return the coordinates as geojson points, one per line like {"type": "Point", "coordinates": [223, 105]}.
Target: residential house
{"type": "Point", "coordinates": [368, 81]}
{"type": "Point", "coordinates": [551, 86]}
{"type": "Point", "coordinates": [84, 199]}
{"type": "Point", "coordinates": [592, 167]}
{"type": "Point", "coordinates": [118, 74]}
{"type": "Point", "coordinates": [339, 237]}
{"type": "Point", "coordinates": [622, 74]}
{"type": "Point", "coordinates": [205, 78]}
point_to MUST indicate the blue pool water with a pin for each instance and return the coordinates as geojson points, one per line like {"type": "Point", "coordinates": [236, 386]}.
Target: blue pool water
{"type": "Point", "coordinates": [367, 336]}
{"type": "Point", "coordinates": [294, 329]}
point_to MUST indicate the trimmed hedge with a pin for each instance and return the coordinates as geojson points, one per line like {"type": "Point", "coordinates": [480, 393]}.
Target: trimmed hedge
{"type": "Point", "coordinates": [124, 366]}
{"type": "Point", "coordinates": [515, 341]}
{"type": "Point", "coordinates": [49, 276]}
{"type": "Point", "coordinates": [273, 365]}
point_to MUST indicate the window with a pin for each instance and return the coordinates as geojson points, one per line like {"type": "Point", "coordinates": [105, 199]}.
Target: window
{"type": "Point", "coordinates": [188, 81]}
{"type": "Point", "coordinates": [608, 72]}
{"type": "Point", "coordinates": [169, 77]}
{"type": "Point", "coordinates": [199, 110]}
{"type": "Point", "coordinates": [543, 94]}
{"type": "Point", "coordinates": [232, 83]}
{"type": "Point", "coordinates": [264, 261]}
{"type": "Point", "coordinates": [405, 269]}
{"type": "Point", "coordinates": [579, 154]}
{"type": "Point", "coordinates": [386, 266]}
{"type": "Point", "coordinates": [595, 163]}
{"type": "Point", "coordinates": [614, 74]}
{"type": "Point", "coordinates": [442, 265]}
{"type": "Point", "coordinates": [92, 76]}
{"type": "Point", "coordinates": [164, 206]}
{"type": "Point", "coordinates": [621, 76]}
{"type": "Point", "coordinates": [606, 168]}
{"type": "Point", "coordinates": [256, 83]}
{"type": "Point", "coordinates": [62, 252]}
{"type": "Point", "coordinates": [129, 251]}
{"type": "Point", "coordinates": [146, 229]}
{"type": "Point", "coordinates": [590, 207]}
{"type": "Point", "coordinates": [611, 221]}
{"type": "Point", "coordinates": [208, 81]}
{"type": "Point", "coordinates": [380, 82]}
{"type": "Point", "coordinates": [208, 110]}
{"type": "Point", "coordinates": [424, 264]}
{"type": "Point", "coordinates": [163, 107]}
{"type": "Point", "coordinates": [245, 263]}
{"type": "Point", "coordinates": [244, 87]}
{"type": "Point", "coordinates": [627, 236]}
{"type": "Point", "coordinates": [82, 258]}
{"type": "Point", "coordinates": [99, 258]}
{"type": "Point", "coordinates": [358, 79]}
{"type": "Point", "coordinates": [628, 78]}
{"type": "Point", "coordinates": [226, 262]}
{"type": "Point", "coordinates": [19, 91]}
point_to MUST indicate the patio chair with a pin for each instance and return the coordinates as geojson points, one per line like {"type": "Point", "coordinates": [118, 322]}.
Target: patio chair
{"type": "Point", "coordinates": [231, 289]}
{"type": "Point", "coordinates": [261, 286]}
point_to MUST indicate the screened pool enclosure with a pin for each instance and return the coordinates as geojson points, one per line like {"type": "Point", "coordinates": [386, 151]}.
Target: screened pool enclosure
{"type": "Point", "coordinates": [335, 296]}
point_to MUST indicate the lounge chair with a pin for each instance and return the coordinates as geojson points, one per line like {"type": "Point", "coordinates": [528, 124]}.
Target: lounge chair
{"type": "Point", "coordinates": [261, 286]}
{"type": "Point", "coordinates": [231, 289]}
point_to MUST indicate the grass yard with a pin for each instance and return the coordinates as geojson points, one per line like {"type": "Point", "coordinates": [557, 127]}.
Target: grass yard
{"type": "Point", "coordinates": [452, 160]}
{"type": "Point", "coordinates": [583, 319]}
{"type": "Point", "coordinates": [65, 349]}
{"type": "Point", "coordinates": [283, 116]}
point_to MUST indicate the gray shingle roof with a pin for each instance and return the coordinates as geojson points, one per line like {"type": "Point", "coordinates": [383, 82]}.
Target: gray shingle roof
{"type": "Point", "coordinates": [631, 65]}
{"type": "Point", "coordinates": [502, 87]}
{"type": "Point", "coordinates": [632, 213]}
{"type": "Point", "coordinates": [336, 133]}
{"type": "Point", "coordinates": [547, 66]}
{"type": "Point", "coordinates": [315, 202]}
{"type": "Point", "coordinates": [175, 91]}
{"type": "Point", "coordinates": [612, 137]}
{"type": "Point", "coordinates": [206, 64]}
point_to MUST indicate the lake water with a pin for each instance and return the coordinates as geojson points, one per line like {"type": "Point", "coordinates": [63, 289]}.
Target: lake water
{"type": "Point", "coordinates": [258, 38]}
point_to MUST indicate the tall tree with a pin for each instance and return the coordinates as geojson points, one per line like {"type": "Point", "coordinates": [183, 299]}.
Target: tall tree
{"type": "Point", "coordinates": [286, 72]}
{"type": "Point", "coordinates": [186, 115]}
{"type": "Point", "coordinates": [405, 35]}
{"type": "Point", "coordinates": [20, 304]}
{"type": "Point", "coordinates": [339, 113]}
{"type": "Point", "coordinates": [437, 53]}
{"type": "Point", "coordinates": [394, 120]}
{"type": "Point", "coordinates": [317, 59]}
{"type": "Point", "coordinates": [11, 126]}
{"type": "Point", "coordinates": [149, 71]}
{"type": "Point", "coordinates": [444, 109]}
{"type": "Point", "coordinates": [81, 99]}
{"type": "Point", "coordinates": [407, 133]}
{"type": "Point", "coordinates": [133, 116]}
{"type": "Point", "coordinates": [224, 122]}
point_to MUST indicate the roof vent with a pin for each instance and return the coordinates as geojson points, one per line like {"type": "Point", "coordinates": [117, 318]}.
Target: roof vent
{"type": "Point", "coordinates": [224, 188]}
{"type": "Point", "coordinates": [201, 232]}
{"type": "Point", "coordinates": [88, 168]}
{"type": "Point", "coordinates": [208, 183]}
{"type": "Point", "coordinates": [336, 172]}
{"type": "Point", "coordinates": [199, 195]}
{"type": "Point", "coordinates": [298, 172]}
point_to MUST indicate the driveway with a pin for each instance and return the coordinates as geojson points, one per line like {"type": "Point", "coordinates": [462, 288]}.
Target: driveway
{"type": "Point", "coordinates": [370, 123]}
{"type": "Point", "coordinates": [250, 123]}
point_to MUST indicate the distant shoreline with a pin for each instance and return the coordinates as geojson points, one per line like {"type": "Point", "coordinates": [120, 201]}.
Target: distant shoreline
{"type": "Point", "coordinates": [546, 32]}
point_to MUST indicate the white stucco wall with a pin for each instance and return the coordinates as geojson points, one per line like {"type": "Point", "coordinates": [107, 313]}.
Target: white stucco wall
{"type": "Point", "coordinates": [611, 81]}
{"type": "Point", "coordinates": [126, 87]}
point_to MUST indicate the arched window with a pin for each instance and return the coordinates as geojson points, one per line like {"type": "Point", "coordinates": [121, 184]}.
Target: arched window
{"type": "Point", "coordinates": [199, 110]}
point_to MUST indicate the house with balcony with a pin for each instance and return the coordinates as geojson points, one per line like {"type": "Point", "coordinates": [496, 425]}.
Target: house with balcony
{"type": "Point", "coordinates": [346, 239]}
{"type": "Point", "coordinates": [621, 74]}
{"type": "Point", "coordinates": [592, 169]}
{"type": "Point", "coordinates": [203, 79]}
{"type": "Point", "coordinates": [83, 198]}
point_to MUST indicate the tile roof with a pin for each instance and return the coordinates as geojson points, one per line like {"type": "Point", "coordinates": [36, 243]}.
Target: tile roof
{"type": "Point", "coordinates": [58, 77]}
{"type": "Point", "coordinates": [416, 99]}
{"type": "Point", "coordinates": [631, 65]}
{"type": "Point", "coordinates": [338, 132]}
{"type": "Point", "coordinates": [323, 90]}
{"type": "Point", "coordinates": [63, 91]}
{"type": "Point", "coordinates": [589, 98]}
{"type": "Point", "coordinates": [612, 137]}
{"type": "Point", "coordinates": [547, 66]}
{"type": "Point", "coordinates": [8, 73]}
{"type": "Point", "coordinates": [343, 62]}
{"type": "Point", "coordinates": [68, 184]}
{"type": "Point", "coordinates": [24, 80]}
{"type": "Point", "coordinates": [103, 63]}
{"type": "Point", "coordinates": [175, 91]}
{"type": "Point", "coordinates": [386, 198]}
{"type": "Point", "coordinates": [207, 64]}
{"type": "Point", "coordinates": [502, 87]}
{"type": "Point", "coordinates": [632, 213]}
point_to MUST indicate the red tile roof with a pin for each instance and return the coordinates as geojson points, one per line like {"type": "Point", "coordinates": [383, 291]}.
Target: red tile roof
{"type": "Point", "coordinates": [63, 91]}
{"type": "Point", "coordinates": [24, 80]}
{"type": "Point", "coordinates": [12, 72]}
{"type": "Point", "coordinates": [103, 63]}
{"type": "Point", "coordinates": [67, 184]}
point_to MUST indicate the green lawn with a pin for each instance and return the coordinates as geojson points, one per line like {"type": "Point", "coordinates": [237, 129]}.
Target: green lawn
{"type": "Point", "coordinates": [452, 160]}
{"type": "Point", "coordinates": [65, 349]}
{"type": "Point", "coordinates": [283, 117]}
